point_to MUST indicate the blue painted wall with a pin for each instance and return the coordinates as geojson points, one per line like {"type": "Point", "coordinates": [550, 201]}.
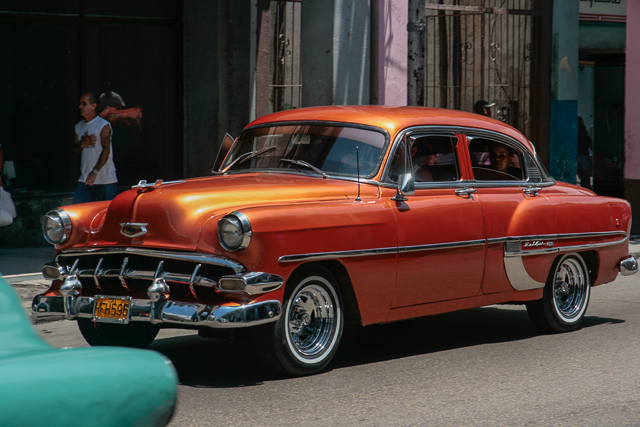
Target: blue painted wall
{"type": "Point", "coordinates": [564, 140]}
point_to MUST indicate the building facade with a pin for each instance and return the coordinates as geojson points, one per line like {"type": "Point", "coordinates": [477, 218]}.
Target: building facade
{"type": "Point", "coordinates": [191, 71]}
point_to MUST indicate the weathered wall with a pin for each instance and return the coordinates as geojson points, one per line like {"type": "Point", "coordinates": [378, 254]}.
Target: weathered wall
{"type": "Point", "coordinates": [392, 52]}
{"type": "Point", "coordinates": [632, 113]}
{"type": "Point", "coordinates": [335, 52]}
{"type": "Point", "coordinates": [216, 78]}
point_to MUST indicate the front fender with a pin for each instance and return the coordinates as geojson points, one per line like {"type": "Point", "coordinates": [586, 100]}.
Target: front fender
{"type": "Point", "coordinates": [337, 230]}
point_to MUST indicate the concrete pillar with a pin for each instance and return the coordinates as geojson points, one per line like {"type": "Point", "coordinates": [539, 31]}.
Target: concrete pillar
{"type": "Point", "coordinates": [200, 87]}
{"type": "Point", "coordinates": [389, 73]}
{"type": "Point", "coordinates": [632, 114]}
{"type": "Point", "coordinates": [564, 91]}
{"type": "Point", "coordinates": [335, 52]}
{"type": "Point", "coordinates": [217, 37]}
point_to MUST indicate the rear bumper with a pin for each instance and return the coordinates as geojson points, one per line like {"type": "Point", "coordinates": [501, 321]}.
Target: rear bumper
{"type": "Point", "coordinates": [628, 266]}
{"type": "Point", "coordinates": [164, 312]}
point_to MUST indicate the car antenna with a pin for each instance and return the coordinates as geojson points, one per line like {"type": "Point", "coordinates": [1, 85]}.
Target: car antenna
{"type": "Point", "coordinates": [358, 172]}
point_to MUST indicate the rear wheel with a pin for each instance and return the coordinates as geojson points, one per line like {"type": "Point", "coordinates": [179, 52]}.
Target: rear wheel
{"type": "Point", "coordinates": [565, 298]}
{"type": "Point", "coordinates": [305, 338]}
{"type": "Point", "coordinates": [134, 334]}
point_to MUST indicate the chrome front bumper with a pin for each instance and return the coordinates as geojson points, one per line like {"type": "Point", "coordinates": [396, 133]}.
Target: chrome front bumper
{"type": "Point", "coordinates": [628, 266]}
{"type": "Point", "coordinates": [164, 312]}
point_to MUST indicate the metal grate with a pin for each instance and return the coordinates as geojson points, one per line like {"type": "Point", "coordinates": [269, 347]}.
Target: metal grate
{"type": "Point", "coordinates": [483, 50]}
{"type": "Point", "coordinates": [286, 87]}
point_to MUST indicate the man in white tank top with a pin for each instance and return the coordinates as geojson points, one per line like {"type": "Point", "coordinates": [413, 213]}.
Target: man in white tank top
{"type": "Point", "coordinates": [98, 179]}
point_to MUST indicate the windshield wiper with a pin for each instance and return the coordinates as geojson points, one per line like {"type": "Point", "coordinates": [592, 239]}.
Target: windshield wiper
{"type": "Point", "coordinates": [305, 164]}
{"type": "Point", "coordinates": [247, 156]}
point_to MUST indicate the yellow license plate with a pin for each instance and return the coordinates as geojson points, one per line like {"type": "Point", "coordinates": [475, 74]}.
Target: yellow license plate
{"type": "Point", "coordinates": [112, 309]}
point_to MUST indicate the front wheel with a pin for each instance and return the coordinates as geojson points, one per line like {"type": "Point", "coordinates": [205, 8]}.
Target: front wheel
{"type": "Point", "coordinates": [305, 338]}
{"type": "Point", "coordinates": [565, 298]}
{"type": "Point", "coordinates": [134, 334]}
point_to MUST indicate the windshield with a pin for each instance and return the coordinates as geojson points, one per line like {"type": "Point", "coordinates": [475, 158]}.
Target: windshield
{"type": "Point", "coordinates": [328, 149]}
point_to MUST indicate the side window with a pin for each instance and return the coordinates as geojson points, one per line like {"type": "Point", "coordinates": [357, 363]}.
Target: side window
{"type": "Point", "coordinates": [434, 158]}
{"type": "Point", "coordinates": [495, 161]}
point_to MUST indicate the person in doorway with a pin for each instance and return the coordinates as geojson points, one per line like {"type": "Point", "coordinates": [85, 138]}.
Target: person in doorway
{"type": "Point", "coordinates": [483, 107]}
{"type": "Point", "coordinates": [585, 155]}
{"type": "Point", "coordinates": [92, 142]}
{"type": "Point", "coordinates": [109, 98]}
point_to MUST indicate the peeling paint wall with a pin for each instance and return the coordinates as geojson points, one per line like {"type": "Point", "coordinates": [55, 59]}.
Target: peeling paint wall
{"type": "Point", "coordinates": [392, 52]}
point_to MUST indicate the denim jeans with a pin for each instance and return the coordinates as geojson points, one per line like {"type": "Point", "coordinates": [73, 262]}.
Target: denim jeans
{"type": "Point", "coordinates": [94, 193]}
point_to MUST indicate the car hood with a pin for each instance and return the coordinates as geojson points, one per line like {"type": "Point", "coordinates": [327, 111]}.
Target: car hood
{"type": "Point", "coordinates": [173, 213]}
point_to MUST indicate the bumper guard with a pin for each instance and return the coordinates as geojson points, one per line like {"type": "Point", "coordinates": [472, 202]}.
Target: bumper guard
{"type": "Point", "coordinates": [628, 266]}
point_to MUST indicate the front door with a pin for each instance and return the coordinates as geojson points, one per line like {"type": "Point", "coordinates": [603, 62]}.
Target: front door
{"type": "Point", "coordinates": [441, 233]}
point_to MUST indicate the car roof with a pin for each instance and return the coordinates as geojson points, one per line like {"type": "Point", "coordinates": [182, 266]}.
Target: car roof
{"type": "Point", "coordinates": [393, 118]}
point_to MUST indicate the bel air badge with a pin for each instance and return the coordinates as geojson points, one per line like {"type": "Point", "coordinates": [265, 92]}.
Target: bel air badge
{"type": "Point", "coordinates": [537, 244]}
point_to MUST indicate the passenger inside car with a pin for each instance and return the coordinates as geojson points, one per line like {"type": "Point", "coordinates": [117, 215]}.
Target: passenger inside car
{"type": "Point", "coordinates": [489, 156]}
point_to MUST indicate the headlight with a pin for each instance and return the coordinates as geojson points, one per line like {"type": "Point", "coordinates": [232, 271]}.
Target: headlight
{"type": "Point", "coordinates": [56, 226]}
{"type": "Point", "coordinates": [234, 231]}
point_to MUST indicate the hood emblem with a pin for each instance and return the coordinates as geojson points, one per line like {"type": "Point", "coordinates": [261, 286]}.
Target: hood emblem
{"type": "Point", "coordinates": [133, 229]}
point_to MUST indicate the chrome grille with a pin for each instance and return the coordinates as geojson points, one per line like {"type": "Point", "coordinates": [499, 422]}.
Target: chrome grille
{"type": "Point", "coordinates": [131, 270]}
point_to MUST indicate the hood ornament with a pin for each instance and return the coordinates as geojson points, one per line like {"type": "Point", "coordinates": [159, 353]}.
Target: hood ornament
{"type": "Point", "coordinates": [133, 229]}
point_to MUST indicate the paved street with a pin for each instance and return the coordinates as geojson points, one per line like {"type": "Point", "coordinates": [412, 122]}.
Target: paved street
{"type": "Point", "coordinates": [486, 366]}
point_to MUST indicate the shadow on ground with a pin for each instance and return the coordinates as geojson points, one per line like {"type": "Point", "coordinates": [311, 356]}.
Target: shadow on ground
{"type": "Point", "coordinates": [215, 363]}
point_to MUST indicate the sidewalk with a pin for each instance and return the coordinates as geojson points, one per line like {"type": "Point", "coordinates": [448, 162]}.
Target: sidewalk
{"type": "Point", "coordinates": [22, 268]}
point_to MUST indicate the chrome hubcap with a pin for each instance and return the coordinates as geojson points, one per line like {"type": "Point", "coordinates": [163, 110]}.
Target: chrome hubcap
{"type": "Point", "coordinates": [311, 320]}
{"type": "Point", "coordinates": [570, 288]}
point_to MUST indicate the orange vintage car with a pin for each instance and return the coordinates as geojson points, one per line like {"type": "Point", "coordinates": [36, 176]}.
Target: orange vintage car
{"type": "Point", "coordinates": [323, 215]}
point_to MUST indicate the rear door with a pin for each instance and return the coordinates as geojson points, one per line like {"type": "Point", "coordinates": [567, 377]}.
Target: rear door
{"type": "Point", "coordinates": [520, 222]}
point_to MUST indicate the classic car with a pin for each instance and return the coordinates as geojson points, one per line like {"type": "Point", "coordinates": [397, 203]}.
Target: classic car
{"type": "Point", "coordinates": [323, 215]}
{"type": "Point", "coordinates": [102, 387]}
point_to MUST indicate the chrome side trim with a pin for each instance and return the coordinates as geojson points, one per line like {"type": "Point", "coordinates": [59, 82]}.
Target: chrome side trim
{"type": "Point", "coordinates": [574, 248]}
{"type": "Point", "coordinates": [437, 246]}
{"type": "Point", "coordinates": [594, 234]}
{"type": "Point", "coordinates": [343, 254]}
{"type": "Point", "coordinates": [181, 256]}
{"type": "Point", "coordinates": [518, 276]}
{"type": "Point", "coordinates": [166, 312]}
{"type": "Point", "coordinates": [513, 253]}
{"type": "Point", "coordinates": [628, 266]}
{"type": "Point", "coordinates": [380, 251]}
{"type": "Point", "coordinates": [557, 236]}
{"type": "Point", "coordinates": [591, 245]}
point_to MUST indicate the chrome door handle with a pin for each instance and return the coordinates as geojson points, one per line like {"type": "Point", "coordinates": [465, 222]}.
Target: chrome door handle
{"type": "Point", "coordinates": [532, 191]}
{"type": "Point", "coordinates": [465, 192]}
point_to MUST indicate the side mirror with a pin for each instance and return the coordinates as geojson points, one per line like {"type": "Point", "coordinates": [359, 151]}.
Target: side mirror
{"type": "Point", "coordinates": [227, 143]}
{"type": "Point", "coordinates": [406, 187]}
{"type": "Point", "coordinates": [406, 181]}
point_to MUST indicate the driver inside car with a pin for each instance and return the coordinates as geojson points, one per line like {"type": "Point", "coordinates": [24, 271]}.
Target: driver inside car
{"type": "Point", "coordinates": [422, 156]}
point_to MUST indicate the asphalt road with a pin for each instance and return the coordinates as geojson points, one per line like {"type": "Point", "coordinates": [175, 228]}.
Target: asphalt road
{"type": "Point", "coordinates": [486, 366]}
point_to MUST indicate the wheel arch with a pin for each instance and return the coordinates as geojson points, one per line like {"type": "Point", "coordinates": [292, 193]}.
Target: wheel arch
{"type": "Point", "coordinates": [593, 262]}
{"type": "Point", "coordinates": [351, 310]}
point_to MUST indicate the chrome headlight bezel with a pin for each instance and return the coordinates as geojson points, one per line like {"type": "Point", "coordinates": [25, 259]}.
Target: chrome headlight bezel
{"type": "Point", "coordinates": [234, 240]}
{"type": "Point", "coordinates": [56, 226]}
